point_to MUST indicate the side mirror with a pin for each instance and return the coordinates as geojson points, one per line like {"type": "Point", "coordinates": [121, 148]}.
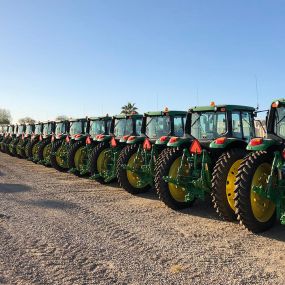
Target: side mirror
{"type": "Point", "coordinates": [266, 119]}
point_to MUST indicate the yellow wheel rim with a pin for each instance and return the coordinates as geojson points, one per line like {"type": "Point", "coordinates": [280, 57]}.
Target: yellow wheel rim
{"type": "Point", "coordinates": [58, 158]}
{"type": "Point", "coordinates": [177, 192]}
{"type": "Point", "coordinates": [102, 161]}
{"type": "Point", "coordinates": [133, 178]}
{"type": "Point", "coordinates": [46, 151]}
{"type": "Point", "coordinates": [35, 150]}
{"type": "Point", "coordinates": [262, 208]}
{"type": "Point", "coordinates": [78, 158]}
{"type": "Point", "coordinates": [230, 185]}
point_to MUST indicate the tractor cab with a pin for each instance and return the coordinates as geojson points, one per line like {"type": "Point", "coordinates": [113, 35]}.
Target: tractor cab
{"type": "Point", "coordinates": [21, 130]}
{"type": "Point", "coordinates": [30, 129]}
{"type": "Point", "coordinates": [48, 129]}
{"type": "Point", "coordinates": [100, 126]}
{"type": "Point", "coordinates": [61, 129]}
{"type": "Point", "coordinates": [79, 128]}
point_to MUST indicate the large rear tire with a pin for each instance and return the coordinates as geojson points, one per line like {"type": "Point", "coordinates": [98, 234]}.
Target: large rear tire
{"type": "Point", "coordinates": [173, 196]}
{"type": "Point", "coordinates": [44, 151]}
{"type": "Point", "coordinates": [74, 156]}
{"type": "Point", "coordinates": [127, 179]}
{"type": "Point", "coordinates": [256, 213]}
{"type": "Point", "coordinates": [94, 160]}
{"type": "Point", "coordinates": [223, 182]}
{"type": "Point", "coordinates": [56, 161]}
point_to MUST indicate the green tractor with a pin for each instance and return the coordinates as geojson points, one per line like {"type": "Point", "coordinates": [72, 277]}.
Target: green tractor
{"type": "Point", "coordinates": [138, 158]}
{"type": "Point", "coordinates": [32, 146]}
{"type": "Point", "coordinates": [44, 145]}
{"type": "Point", "coordinates": [3, 131]}
{"type": "Point", "coordinates": [98, 126]}
{"type": "Point", "coordinates": [79, 130]}
{"type": "Point", "coordinates": [60, 147]}
{"type": "Point", "coordinates": [260, 183]}
{"type": "Point", "coordinates": [104, 157]}
{"type": "Point", "coordinates": [24, 140]}
{"type": "Point", "coordinates": [16, 139]}
{"type": "Point", "coordinates": [206, 159]}
{"type": "Point", "coordinates": [7, 139]}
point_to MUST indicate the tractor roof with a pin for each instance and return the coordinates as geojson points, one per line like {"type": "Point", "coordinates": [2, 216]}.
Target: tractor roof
{"type": "Point", "coordinates": [227, 107]}
{"type": "Point", "coordinates": [79, 119]}
{"type": "Point", "coordinates": [61, 121]}
{"type": "Point", "coordinates": [105, 118]}
{"type": "Point", "coordinates": [281, 100]}
{"type": "Point", "coordinates": [47, 122]}
{"type": "Point", "coordinates": [135, 116]}
{"type": "Point", "coordinates": [164, 113]}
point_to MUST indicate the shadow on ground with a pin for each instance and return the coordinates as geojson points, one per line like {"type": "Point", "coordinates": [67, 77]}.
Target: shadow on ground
{"type": "Point", "coordinates": [53, 204]}
{"type": "Point", "coordinates": [13, 188]}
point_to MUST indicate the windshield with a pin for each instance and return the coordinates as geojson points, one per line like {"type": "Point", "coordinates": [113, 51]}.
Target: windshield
{"type": "Point", "coordinates": [279, 122]}
{"type": "Point", "coordinates": [38, 129]}
{"type": "Point", "coordinates": [97, 127]}
{"type": "Point", "coordinates": [29, 129]}
{"type": "Point", "coordinates": [20, 129]}
{"type": "Point", "coordinates": [10, 129]}
{"type": "Point", "coordinates": [158, 126]}
{"type": "Point", "coordinates": [123, 127]}
{"type": "Point", "coordinates": [47, 129]}
{"type": "Point", "coordinates": [76, 128]}
{"type": "Point", "coordinates": [60, 128]}
{"type": "Point", "coordinates": [208, 125]}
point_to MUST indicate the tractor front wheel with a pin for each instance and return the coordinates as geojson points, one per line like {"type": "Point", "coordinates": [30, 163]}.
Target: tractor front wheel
{"type": "Point", "coordinates": [131, 180]}
{"type": "Point", "coordinates": [168, 164]}
{"type": "Point", "coordinates": [223, 182]}
{"type": "Point", "coordinates": [255, 212]}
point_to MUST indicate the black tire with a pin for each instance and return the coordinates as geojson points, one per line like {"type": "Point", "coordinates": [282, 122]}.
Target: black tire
{"type": "Point", "coordinates": [167, 157]}
{"type": "Point", "coordinates": [122, 177]}
{"type": "Point", "coordinates": [30, 146]}
{"type": "Point", "coordinates": [72, 151]}
{"type": "Point", "coordinates": [53, 160]}
{"type": "Point", "coordinates": [13, 149]}
{"type": "Point", "coordinates": [220, 182]}
{"type": "Point", "coordinates": [43, 144]}
{"type": "Point", "coordinates": [94, 157]}
{"type": "Point", "coordinates": [243, 192]}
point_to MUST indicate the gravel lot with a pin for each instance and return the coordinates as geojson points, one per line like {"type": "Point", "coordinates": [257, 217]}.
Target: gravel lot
{"type": "Point", "coordinates": [56, 228]}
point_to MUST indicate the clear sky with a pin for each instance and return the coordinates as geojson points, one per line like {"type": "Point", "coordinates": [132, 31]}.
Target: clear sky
{"type": "Point", "coordinates": [91, 57]}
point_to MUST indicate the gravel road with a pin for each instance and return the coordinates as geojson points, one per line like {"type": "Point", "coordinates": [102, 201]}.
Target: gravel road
{"type": "Point", "coordinates": [56, 228]}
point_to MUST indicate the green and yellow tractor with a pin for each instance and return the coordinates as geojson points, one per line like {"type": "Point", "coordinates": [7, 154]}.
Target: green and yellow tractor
{"type": "Point", "coordinates": [16, 139]}
{"type": "Point", "coordinates": [98, 126]}
{"type": "Point", "coordinates": [3, 131]}
{"type": "Point", "coordinates": [138, 158]}
{"type": "Point", "coordinates": [24, 140]}
{"type": "Point", "coordinates": [32, 145]}
{"type": "Point", "coordinates": [260, 184]}
{"type": "Point", "coordinates": [206, 159]}
{"type": "Point", "coordinates": [104, 157]}
{"type": "Point", "coordinates": [79, 130]}
{"type": "Point", "coordinates": [44, 145]}
{"type": "Point", "coordinates": [7, 139]}
{"type": "Point", "coordinates": [60, 147]}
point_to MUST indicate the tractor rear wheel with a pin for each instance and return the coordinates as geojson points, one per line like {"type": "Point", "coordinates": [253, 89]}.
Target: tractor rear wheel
{"type": "Point", "coordinates": [12, 148]}
{"type": "Point", "coordinates": [223, 182]}
{"type": "Point", "coordinates": [172, 195]}
{"type": "Point", "coordinates": [56, 160]}
{"type": "Point", "coordinates": [127, 179]}
{"type": "Point", "coordinates": [31, 149]}
{"type": "Point", "coordinates": [255, 212]}
{"type": "Point", "coordinates": [96, 160]}
{"type": "Point", "coordinates": [44, 151]}
{"type": "Point", "coordinates": [74, 156]}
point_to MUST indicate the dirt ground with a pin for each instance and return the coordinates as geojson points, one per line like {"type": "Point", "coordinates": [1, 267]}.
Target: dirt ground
{"type": "Point", "coordinates": [56, 228]}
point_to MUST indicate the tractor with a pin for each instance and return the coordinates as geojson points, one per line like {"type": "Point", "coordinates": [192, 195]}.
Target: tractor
{"type": "Point", "coordinates": [10, 139]}
{"type": "Point", "coordinates": [138, 158]}
{"type": "Point", "coordinates": [44, 145]}
{"type": "Point", "coordinates": [24, 140]}
{"type": "Point", "coordinates": [206, 159]}
{"type": "Point", "coordinates": [98, 126]}
{"type": "Point", "coordinates": [260, 183]}
{"type": "Point", "coordinates": [32, 145]}
{"type": "Point", "coordinates": [7, 138]}
{"type": "Point", "coordinates": [104, 157]}
{"type": "Point", "coordinates": [16, 139]}
{"type": "Point", "coordinates": [60, 148]}
{"type": "Point", "coordinates": [79, 130]}
{"type": "Point", "coordinates": [3, 131]}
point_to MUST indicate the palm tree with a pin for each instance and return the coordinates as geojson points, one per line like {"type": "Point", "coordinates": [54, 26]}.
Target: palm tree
{"type": "Point", "coordinates": [129, 109]}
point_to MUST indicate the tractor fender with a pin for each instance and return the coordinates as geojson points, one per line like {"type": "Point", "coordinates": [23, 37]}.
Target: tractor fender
{"type": "Point", "coordinates": [228, 143]}
{"type": "Point", "coordinates": [162, 141]}
{"type": "Point", "coordinates": [103, 138]}
{"type": "Point", "coordinates": [81, 138]}
{"type": "Point", "coordinates": [135, 140]}
{"type": "Point", "coordinates": [257, 144]}
{"type": "Point", "coordinates": [178, 142]}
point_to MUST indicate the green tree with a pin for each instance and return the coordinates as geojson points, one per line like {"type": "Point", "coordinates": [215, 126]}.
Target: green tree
{"type": "Point", "coordinates": [61, 118]}
{"type": "Point", "coordinates": [129, 109]}
{"type": "Point", "coordinates": [5, 116]}
{"type": "Point", "coordinates": [26, 120]}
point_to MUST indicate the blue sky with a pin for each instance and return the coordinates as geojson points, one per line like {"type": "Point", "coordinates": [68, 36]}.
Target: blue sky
{"type": "Point", "coordinates": [91, 57]}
